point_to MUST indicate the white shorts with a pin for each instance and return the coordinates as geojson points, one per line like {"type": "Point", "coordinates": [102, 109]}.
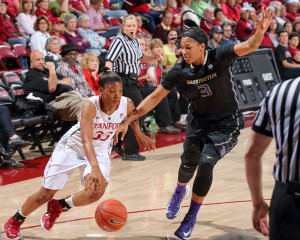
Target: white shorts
{"type": "Point", "coordinates": [65, 160]}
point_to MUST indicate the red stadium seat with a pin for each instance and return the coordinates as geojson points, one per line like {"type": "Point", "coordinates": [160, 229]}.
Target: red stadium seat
{"type": "Point", "coordinates": [114, 21]}
{"type": "Point", "coordinates": [107, 44]}
{"type": "Point", "coordinates": [7, 54]}
{"type": "Point", "coordinates": [20, 50]}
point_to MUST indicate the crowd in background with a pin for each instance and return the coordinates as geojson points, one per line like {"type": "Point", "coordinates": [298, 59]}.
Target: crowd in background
{"type": "Point", "coordinates": [91, 26]}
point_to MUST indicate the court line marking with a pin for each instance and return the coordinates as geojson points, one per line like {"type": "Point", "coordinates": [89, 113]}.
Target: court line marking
{"type": "Point", "coordinates": [149, 210]}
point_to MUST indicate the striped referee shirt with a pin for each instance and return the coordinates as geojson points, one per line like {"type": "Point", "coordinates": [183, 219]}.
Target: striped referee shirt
{"type": "Point", "coordinates": [125, 54]}
{"type": "Point", "coordinates": [279, 117]}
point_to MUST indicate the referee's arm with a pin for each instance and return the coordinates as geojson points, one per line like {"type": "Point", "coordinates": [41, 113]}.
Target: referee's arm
{"type": "Point", "coordinates": [254, 41]}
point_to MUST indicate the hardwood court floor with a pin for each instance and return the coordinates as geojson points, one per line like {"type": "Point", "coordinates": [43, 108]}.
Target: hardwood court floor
{"type": "Point", "coordinates": [145, 188]}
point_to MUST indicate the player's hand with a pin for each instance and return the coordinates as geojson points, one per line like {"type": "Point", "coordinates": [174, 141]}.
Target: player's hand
{"type": "Point", "coordinates": [121, 129]}
{"type": "Point", "coordinates": [96, 180]}
{"type": "Point", "coordinates": [146, 142]}
{"type": "Point", "coordinates": [259, 218]}
{"type": "Point", "coordinates": [262, 24]}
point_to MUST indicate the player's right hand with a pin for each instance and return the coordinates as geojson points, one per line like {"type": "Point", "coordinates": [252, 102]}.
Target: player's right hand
{"type": "Point", "coordinates": [96, 180]}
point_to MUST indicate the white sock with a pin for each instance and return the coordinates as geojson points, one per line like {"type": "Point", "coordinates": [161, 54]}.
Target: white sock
{"type": "Point", "coordinates": [20, 212]}
{"type": "Point", "coordinates": [69, 201]}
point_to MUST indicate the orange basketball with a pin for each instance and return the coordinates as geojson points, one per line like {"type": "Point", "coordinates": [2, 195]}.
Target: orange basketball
{"type": "Point", "coordinates": [111, 215]}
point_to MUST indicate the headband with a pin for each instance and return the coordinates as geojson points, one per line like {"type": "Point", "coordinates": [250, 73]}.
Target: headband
{"type": "Point", "coordinates": [193, 35]}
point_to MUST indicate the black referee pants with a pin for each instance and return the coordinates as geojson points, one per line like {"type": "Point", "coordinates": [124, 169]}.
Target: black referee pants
{"type": "Point", "coordinates": [284, 214]}
{"type": "Point", "coordinates": [131, 90]}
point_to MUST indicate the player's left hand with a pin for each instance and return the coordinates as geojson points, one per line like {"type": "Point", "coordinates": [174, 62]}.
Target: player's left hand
{"type": "Point", "coordinates": [146, 142]}
{"type": "Point", "coordinates": [259, 218]}
{"type": "Point", "coordinates": [262, 24]}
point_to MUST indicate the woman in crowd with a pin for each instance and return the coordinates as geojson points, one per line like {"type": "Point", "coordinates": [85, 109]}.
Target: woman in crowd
{"type": "Point", "coordinates": [42, 9]}
{"type": "Point", "coordinates": [73, 36]}
{"type": "Point", "coordinates": [38, 39]}
{"type": "Point", "coordinates": [96, 41]}
{"type": "Point", "coordinates": [57, 30]}
{"type": "Point", "coordinates": [52, 47]}
{"type": "Point", "coordinates": [272, 32]}
{"type": "Point", "coordinates": [26, 18]}
{"type": "Point", "coordinates": [296, 26]}
{"type": "Point", "coordinates": [170, 49]}
{"type": "Point", "coordinates": [90, 66]}
{"type": "Point", "coordinates": [288, 26]}
{"type": "Point", "coordinates": [124, 57]}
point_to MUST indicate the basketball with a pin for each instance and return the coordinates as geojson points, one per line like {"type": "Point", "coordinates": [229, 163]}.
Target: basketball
{"type": "Point", "coordinates": [111, 215]}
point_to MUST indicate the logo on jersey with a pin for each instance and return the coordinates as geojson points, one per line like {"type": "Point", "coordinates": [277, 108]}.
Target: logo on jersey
{"type": "Point", "coordinates": [121, 115]}
{"type": "Point", "coordinates": [210, 66]}
{"type": "Point", "coordinates": [201, 80]}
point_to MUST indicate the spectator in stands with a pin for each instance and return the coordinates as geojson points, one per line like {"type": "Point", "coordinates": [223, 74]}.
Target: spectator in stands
{"type": "Point", "coordinates": [42, 9]}
{"type": "Point", "coordinates": [228, 37]}
{"type": "Point", "coordinates": [292, 10]}
{"type": "Point", "coordinates": [279, 20]}
{"type": "Point", "coordinates": [205, 25]}
{"type": "Point", "coordinates": [96, 41]}
{"type": "Point", "coordinates": [152, 13]}
{"type": "Point", "coordinates": [287, 68]}
{"type": "Point", "coordinates": [57, 30]}
{"type": "Point", "coordinates": [72, 70]}
{"type": "Point", "coordinates": [59, 8]}
{"type": "Point", "coordinates": [52, 47]}
{"type": "Point", "coordinates": [296, 26]}
{"type": "Point", "coordinates": [199, 6]}
{"type": "Point", "coordinates": [148, 39]}
{"type": "Point", "coordinates": [97, 24]}
{"type": "Point", "coordinates": [72, 35]}
{"type": "Point", "coordinates": [9, 139]}
{"type": "Point", "coordinates": [77, 7]}
{"type": "Point", "coordinates": [215, 37]}
{"type": "Point", "coordinates": [177, 15]}
{"type": "Point", "coordinates": [170, 49]}
{"type": "Point", "coordinates": [38, 39]}
{"type": "Point", "coordinates": [26, 18]}
{"type": "Point", "coordinates": [294, 39]}
{"type": "Point", "coordinates": [41, 80]}
{"type": "Point", "coordinates": [161, 29]}
{"type": "Point", "coordinates": [288, 26]}
{"type": "Point", "coordinates": [113, 12]}
{"type": "Point", "coordinates": [139, 21]}
{"type": "Point", "coordinates": [283, 12]}
{"type": "Point", "coordinates": [231, 11]}
{"type": "Point", "coordinates": [9, 32]}
{"type": "Point", "coordinates": [90, 66]}
{"type": "Point", "coordinates": [149, 82]}
{"type": "Point", "coordinates": [219, 16]}
{"type": "Point", "coordinates": [244, 28]}
{"type": "Point", "coordinates": [272, 32]}
{"type": "Point", "coordinates": [192, 19]}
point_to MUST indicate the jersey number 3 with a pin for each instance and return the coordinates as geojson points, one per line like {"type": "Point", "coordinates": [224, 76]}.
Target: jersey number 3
{"type": "Point", "coordinates": [205, 90]}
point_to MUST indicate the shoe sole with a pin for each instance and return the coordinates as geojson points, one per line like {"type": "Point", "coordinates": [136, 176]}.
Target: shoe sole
{"type": "Point", "coordinates": [186, 193]}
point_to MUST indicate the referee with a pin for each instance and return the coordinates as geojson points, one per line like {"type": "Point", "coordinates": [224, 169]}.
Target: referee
{"type": "Point", "coordinates": [278, 117]}
{"type": "Point", "coordinates": [124, 57]}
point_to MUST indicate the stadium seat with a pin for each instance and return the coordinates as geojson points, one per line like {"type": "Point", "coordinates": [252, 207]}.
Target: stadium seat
{"type": "Point", "coordinates": [114, 21]}
{"type": "Point", "coordinates": [10, 78]}
{"type": "Point", "coordinates": [20, 50]}
{"type": "Point", "coordinates": [22, 74]}
{"type": "Point", "coordinates": [107, 44]}
{"type": "Point", "coordinates": [8, 60]}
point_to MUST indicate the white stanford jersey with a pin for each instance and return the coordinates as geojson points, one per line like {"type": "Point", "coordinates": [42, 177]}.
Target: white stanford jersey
{"type": "Point", "coordinates": [104, 128]}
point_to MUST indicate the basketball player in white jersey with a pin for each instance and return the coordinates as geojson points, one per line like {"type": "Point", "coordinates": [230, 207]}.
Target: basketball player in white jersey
{"type": "Point", "coordinates": [86, 146]}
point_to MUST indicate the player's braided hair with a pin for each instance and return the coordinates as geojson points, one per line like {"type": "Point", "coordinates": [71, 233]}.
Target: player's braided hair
{"type": "Point", "coordinates": [108, 77]}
